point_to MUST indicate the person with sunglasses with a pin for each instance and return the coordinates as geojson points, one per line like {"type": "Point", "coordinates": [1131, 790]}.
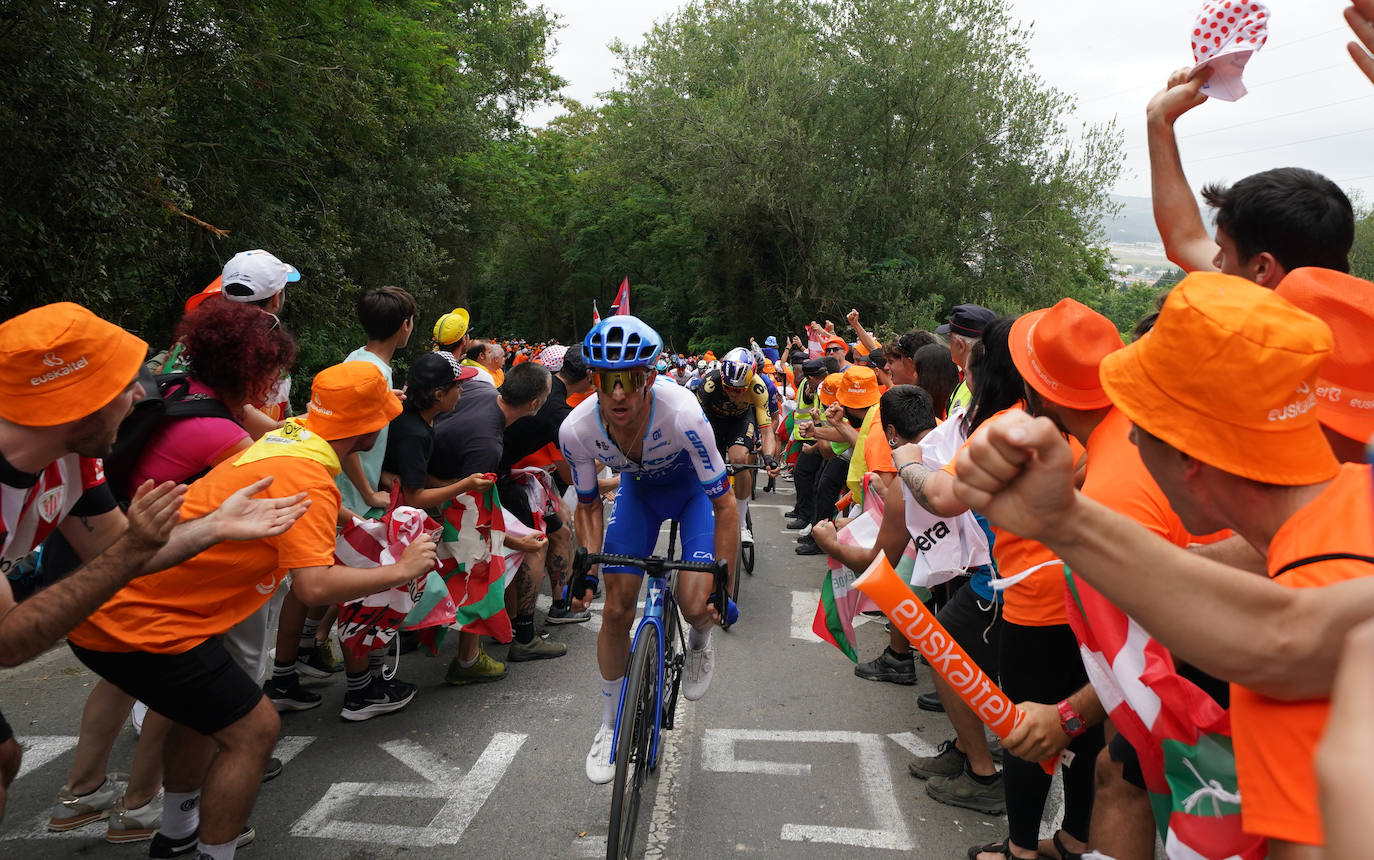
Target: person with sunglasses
{"type": "Point", "coordinates": [739, 407]}
{"type": "Point", "coordinates": [654, 434]}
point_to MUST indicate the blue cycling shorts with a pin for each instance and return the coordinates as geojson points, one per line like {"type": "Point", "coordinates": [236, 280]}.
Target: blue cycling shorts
{"type": "Point", "coordinates": [641, 508]}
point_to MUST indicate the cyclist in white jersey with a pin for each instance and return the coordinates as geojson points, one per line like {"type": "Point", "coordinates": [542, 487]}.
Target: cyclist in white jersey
{"type": "Point", "coordinates": [654, 434]}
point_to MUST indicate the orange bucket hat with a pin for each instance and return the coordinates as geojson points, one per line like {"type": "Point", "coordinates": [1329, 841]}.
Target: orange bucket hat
{"type": "Point", "coordinates": [829, 388]}
{"type": "Point", "coordinates": [835, 340]}
{"type": "Point", "coordinates": [858, 387]}
{"type": "Point", "coordinates": [1345, 385]}
{"type": "Point", "coordinates": [1059, 349]}
{"type": "Point", "coordinates": [60, 362]}
{"type": "Point", "coordinates": [1229, 376]}
{"type": "Point", "coordinates": [350, 399]}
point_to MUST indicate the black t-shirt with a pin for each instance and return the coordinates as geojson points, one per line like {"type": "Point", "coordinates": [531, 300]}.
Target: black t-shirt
{"type": "Point", "coordinates": [468, 440]}
{"type": "Point", "coordinates": [409, 444]}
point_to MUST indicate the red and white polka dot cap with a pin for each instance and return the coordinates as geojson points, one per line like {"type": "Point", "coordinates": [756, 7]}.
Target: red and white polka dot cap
{"type": "Point", "coordinates": [552, 357]}
{"type": "Point", "coordinates": [1224, 36]}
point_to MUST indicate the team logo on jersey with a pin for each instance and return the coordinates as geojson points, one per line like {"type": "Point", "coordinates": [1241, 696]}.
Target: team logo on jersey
{"type": "Point", "coordinates": [658, 434]}
{"type": "Point", "coordinates": [50, 504]}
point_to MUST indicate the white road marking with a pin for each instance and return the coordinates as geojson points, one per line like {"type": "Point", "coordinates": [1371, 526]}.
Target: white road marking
{"type": "Point", "coordinates": [463, 795]}
{"type": "Point", "coordinates": [913, 744]}
{"type": "Point", "coordinates": [718, 755]}
{"type": "Point", "coordinates": [41, 749]}
{"type": "Point", "coordinates": [291, 746]}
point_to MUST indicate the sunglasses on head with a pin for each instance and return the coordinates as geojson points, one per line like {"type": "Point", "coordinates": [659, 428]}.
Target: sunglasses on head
{"type": "Point", "coordinates": [631, 380]}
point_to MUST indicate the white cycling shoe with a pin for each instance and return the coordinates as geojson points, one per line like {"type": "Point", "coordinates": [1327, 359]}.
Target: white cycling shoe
{"type": "Point", "coordinates": [600, 770]}
{"type": "Point", "coordinates": [697, 670]}
{"type": "Point", "coordinates": [746, 536]}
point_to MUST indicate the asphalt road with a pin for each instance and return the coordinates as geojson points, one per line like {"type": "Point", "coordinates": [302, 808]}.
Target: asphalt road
{"type": "Point", "coordinates": [788, 755]}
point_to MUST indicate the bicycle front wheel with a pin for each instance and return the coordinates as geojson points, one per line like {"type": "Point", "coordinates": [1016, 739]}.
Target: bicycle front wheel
{"type": "Point", "coordinates": [633, 744]}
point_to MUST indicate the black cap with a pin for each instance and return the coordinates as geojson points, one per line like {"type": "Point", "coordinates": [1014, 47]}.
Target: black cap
{"type": "Point", "coordinates": [813, 367]}
{"type": "Point", "coordinates": [967, 320]}
{"type": "Point", "coordinates": [437, 369]}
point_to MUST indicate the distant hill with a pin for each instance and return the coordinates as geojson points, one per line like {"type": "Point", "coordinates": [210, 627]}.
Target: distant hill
{"type": "Point", "coordinates": [1134, 223]}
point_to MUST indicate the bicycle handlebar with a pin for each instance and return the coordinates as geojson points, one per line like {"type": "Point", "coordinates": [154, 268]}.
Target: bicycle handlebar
{"type": "Point", "coordinates": [654, 565]}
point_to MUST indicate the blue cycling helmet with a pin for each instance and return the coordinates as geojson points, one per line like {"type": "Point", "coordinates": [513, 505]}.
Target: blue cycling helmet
{"type": "Point", "coordinates": [620, 343]}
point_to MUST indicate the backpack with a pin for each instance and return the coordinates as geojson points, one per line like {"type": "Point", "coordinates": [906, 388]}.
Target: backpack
{"type": "Point", "coordinates": [167, 396]}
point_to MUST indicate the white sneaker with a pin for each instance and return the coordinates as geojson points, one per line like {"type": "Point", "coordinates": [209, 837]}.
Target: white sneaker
{"type": "Point", "coordinates": [745, 536]}
{"type": "Point", "coordinates": [696, 673]}
{"type": "Point", "coordinates": [806, 531]}
{"type": "Point", "coordinates": [599, 767]}
{"type": "Point", "coordinates": [137, 715]}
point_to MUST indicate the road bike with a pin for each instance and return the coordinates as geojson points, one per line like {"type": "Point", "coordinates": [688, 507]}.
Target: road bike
{"type": "Point", "coordinates": [648, 697]}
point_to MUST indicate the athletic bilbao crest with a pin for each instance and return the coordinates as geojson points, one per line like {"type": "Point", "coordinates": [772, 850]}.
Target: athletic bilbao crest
{"type": "Point", "coordinates": [50, 504]}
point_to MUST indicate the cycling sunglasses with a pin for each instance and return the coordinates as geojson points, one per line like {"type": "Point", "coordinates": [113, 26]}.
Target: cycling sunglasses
{"type": "Point", "coordinates": [631, 380]}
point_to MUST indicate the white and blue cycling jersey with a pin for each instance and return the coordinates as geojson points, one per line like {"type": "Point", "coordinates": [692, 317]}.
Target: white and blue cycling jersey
{"type": "Point", "coordinates": [679, 445]}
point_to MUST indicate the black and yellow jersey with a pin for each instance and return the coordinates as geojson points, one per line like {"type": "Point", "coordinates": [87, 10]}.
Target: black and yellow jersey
{"type": "Point", "coordinates": [717, 404]}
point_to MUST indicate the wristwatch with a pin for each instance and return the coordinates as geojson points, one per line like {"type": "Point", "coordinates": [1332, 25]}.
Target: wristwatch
{"type": "Point", "coordinates": [1070, 721]}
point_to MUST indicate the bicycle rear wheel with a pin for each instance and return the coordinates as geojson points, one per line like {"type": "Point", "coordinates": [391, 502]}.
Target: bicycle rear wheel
{"type": "Point", "coordinates": [632, 748]}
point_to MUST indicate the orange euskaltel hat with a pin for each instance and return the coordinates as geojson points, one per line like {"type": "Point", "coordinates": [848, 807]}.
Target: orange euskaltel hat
{"type": "Point", "coordinates": [829, 388]}
{"type": "Point", "coordinates": [1228, 376]}
{"type": "Point", "coordinates": [1345, 385]}
{"type": "Point", "coordinates": [1058, 351]}
{"type": "Point", "coordinates": [350, 399]}
{"type": "Point", "coordinates": [60, 362]}
{"type": "Point", "coordinates": [858, 387]}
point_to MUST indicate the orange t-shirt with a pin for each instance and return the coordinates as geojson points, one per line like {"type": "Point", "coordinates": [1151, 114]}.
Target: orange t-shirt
{"type": "Point", "coordinates": [1117, 478]}
{"type": "Point", "coordinates": [1275, 741]}
{"type": "Point", "coordinates": [175, 610]}
{"type": "Point", "coordinates": [1037, 600]}
{"type": "Point", "coordinates": [573, 399]}
{"type": "Point", "coordinates": [877, 453]}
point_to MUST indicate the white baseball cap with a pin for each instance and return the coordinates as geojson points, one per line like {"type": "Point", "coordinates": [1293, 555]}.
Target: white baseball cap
{"type": "Point", "coordinates": [260, 272]}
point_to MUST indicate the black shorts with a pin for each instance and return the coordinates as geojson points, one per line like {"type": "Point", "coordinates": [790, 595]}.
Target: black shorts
{"type": "Point", "coordinates": [977, 630]}
{"type": "Point", "coordinates": [203, 688]}
{"type": "Point", "coordinates": [734, 430]}
{"type": "Point", "coordinates": [1121, 752]}
{"type": "Point", "coordinates": [6, 732]}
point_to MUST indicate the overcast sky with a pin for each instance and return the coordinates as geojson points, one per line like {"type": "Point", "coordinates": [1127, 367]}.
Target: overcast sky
{"type": "Point", "coordinates": [1308, 105]}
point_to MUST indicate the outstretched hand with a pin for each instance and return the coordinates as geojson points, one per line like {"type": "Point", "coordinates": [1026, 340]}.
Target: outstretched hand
{"type": "Point", "coordinates": [154, 512]}
{"type": "Point", "coordinates": [1018, 472]}
{"type": "Point", "coordinates": [242, 517]}
{"type": "Point", "coordinates": [1182, 93]}
{"type": "Point", "coordinates": [1360, 16]}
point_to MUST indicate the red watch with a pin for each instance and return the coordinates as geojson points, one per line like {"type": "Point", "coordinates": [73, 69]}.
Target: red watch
{"type": "Point", "coordinates": [1070, 721]}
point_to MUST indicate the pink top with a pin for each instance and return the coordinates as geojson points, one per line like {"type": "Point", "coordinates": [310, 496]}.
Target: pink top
{"type": "Point", "coordinates": [185, 447]}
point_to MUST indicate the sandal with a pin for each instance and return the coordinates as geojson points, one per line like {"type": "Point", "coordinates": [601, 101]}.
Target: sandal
{"type": "Point", "coordinates": [1004, 848]}
{"type": "Point", "coordinates": [1064, 853]}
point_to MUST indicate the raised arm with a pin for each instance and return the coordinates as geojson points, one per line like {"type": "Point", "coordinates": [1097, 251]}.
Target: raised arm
{"type": "Point", "coordinates": [1180, 224]}
{"type": "Point", "coordinates": [868, 340]}
{"type": "Point", "coordinates": [1281, 642]}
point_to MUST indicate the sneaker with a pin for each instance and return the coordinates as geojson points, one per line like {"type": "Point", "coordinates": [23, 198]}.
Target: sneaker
{"type": "Point", "coordinates": [930, 702]}
{"type": "Point", "coordinates": [745, 536]}
{"type": "Point", "coordinates": [805, 532]}
{"type": "Point", "coordinates": [964, 791]}
{"type": "Point", "coordinates": [809, 547]}
{"type": "Point", "coordinates": [796, 522]}
{"type": "Point", "coordinates": [273, 769]}
{"type": "Point", "coordinates": [163, 848]}
{"type": "Point", "coordinates": [697, 671]}
{"type": "Point", "coordinates": [287, 694]}
{"type": "Point", "coordinates": [560, 614]}
{"type": "Point", "coordinates": [73, 811]}
{"type": "Point", "coordinates": [137, 716]}
{"type": "Point", "coordinates": [889, 666]}
{"type": "Point", "coordinates": [379, 697]}
{"type": "Point", "coordinates": [316, 663]}
{"type": "Point", "coordinates": [791, 515]}
{"type": "Point", "coordinates": [485, 669]}
{"type": "Point", "coordinates": [948, 760]}
{"type": "Point", "coordinates": [538, 648]}
{"type": "Point", "coordinates": [134, 825]}
{"type": "Point", "coordinates": [600, 770]}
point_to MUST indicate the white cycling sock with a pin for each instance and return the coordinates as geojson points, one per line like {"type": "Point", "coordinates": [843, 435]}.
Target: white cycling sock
{"type": "Point", "coordinates": [610, 700]}
{"type": "Point", "coordinates": [224, 851]}
{"type": "Point", "coordinates": [180, 814]}
{"type": "Point", "coordinates": [743, 510]}
{"type": "Point", "coordinates": [697, 640]}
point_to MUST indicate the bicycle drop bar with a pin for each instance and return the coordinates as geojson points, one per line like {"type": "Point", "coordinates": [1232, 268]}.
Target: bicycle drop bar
{"type": "Point", "coordinates": [653, 565]}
